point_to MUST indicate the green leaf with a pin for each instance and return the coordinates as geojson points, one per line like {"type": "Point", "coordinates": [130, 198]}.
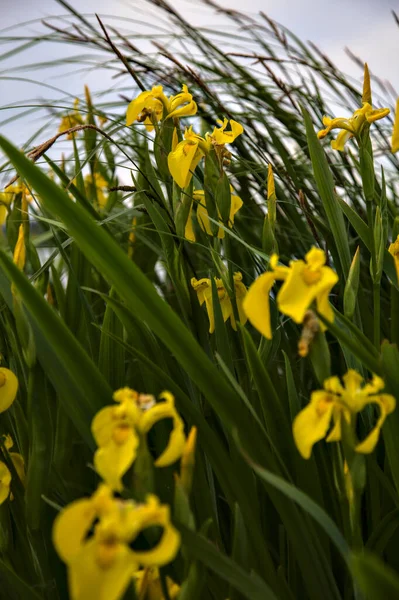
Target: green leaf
{"type": "Point", "coordinates": [325, 186]}
{"type": "Point", "coordinates": [375, 579]}
{"type": "Point", "coordinates": [206, 553]}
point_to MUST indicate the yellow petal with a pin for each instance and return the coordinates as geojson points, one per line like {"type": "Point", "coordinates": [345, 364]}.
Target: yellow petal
{"type": "Point", "coordinates": [312, 423]}
{"type": "Point", "coordinates": [182, 160]}
{"type": "Point", "coordinates": [103, 425]}
{"type": "Point", "coordinates": [89, 581]}
{"type": "Point", "coordinates": [220, 136]}
{"type": "Point", "coordinates": [298, 292]}
{"type": "Point", "coordinates": [70, 528]}
{"type": "Point", "coordinates": [376, 114]}
{"type": "Point", "coordinates": [20, 249]}
{"type": "Point", "coordinates": [19, 465]}
{"type": "Point", "coordinates": [256, 303]}
{"type": "Point", "coordinates": [189, 229]}
{"type": "Point", "coordinates": [340, 141]}
{"type": "Point", "coordinates": [5, 481]}
{"type": "Point", "coordinates": [395, 132]}
{"type": "Point", "coordinates": [153, 513]}
{"type": "Point", "coordinates": [113, 460]}
{"type": "Point", "coordinates": [8, 388]}
{"type": "Point", "coordinates": [136, 106]}
{"type": "Point", "coordinates": [387, 405]}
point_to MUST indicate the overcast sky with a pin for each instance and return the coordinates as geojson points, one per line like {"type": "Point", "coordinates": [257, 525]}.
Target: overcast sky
{"type": "Point", "coordinates": [365, 26]}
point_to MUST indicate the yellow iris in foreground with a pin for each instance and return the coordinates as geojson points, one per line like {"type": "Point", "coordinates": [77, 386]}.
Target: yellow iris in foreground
{"type": "Point", "coordinates": [352, 126]}
{"type": "Point", "coordinates": [336, 402]}
{"type": "Point", "coordinates": [203, 217]}
{"type": "Point", "coordinates": [394, 251]}
{"type": "Point", "coordinates": [117, 431]}
{"type": "Point", "coordinates": [93, 537]}
{"type": "Point", "coordinates": [305, 282]}
{"type": "Point", "coordinates": [153, 105]}
{"type": "Point", "coordinates": [203, 287]}
{"type": "Point", "coordinates": [186, 155]}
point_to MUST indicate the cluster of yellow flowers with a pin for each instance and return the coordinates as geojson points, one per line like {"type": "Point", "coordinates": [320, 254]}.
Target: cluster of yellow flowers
{"type": "Point", "coordinates": [95, 536]}
{"type": "Point", "coordinates": [305, 283]}
{"type": "Point", "coordinates": [8, 392]}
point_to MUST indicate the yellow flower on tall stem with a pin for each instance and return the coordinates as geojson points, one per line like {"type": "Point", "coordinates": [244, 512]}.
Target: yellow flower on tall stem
{"type": "Point", "coordinates": [185, 155]}
{"type": "Point", "coordinates": [203, 217]}
{"type": "Point", "coordinates": [203, 287]}
{"type": "Point", "coordinates": [152, 105]}
{"type": "Point", "coordinates": [305, 282]}
{"type": "Point", "coordinates": [93, 537]}
{"type": "Point", "coordinates": [117, 431]}
{"type": "Point", "coordinates": [336, 402]}
{"type": "Point", "coordinates": [353, 125]}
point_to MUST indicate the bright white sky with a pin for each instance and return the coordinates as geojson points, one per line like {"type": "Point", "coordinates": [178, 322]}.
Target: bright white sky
{"type": "Point", "coordinates": [365, 26]}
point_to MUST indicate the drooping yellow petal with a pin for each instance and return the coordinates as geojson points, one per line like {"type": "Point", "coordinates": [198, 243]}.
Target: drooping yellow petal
{"type": "Point", "coordinates": [153, 513]}
{"type": "Point", "coordinates": [177, 439]}
{"type": "Point", "coordinates": [71, 526]}
{"type": "Point", "coordinates": [183, 160]}
{"type": "Point", "coordinates": [386, 404]}
{"type": "Point", "coordinates": [376, 114]}
{"type": "Point", "coordinates": [5, 481]}
{"type": "Point", "coordinates": [256, 303]}
{"type": "Point", "coordinates": [341, 139]}
{"type": "Point", "coordinates": [8, 388]}
{"type": "Point", "coordinates": [395, 132]}
{"type": "Point", "coordinates": [113, 460]}
{"type": "Point", "coordinates": [88, 580]}
{"type": "Point", "coordinates": [312, 423]}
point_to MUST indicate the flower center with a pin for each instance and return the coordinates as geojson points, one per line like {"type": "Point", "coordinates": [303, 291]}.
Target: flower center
{"type": "Point", "coordinates": [106, 553]}
{"type": "Point", "coordinates": [311, 276]}
{"type": "Point", "coordinates": [121, 433]}
{"type": "Point", "coordinates": [324, 404]}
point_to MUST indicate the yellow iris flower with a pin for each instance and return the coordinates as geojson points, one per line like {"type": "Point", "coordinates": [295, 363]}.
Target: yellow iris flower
{"type": "Point", "coordinates": [117, 431]}
{"type": "Point", "coordinates": [203, 217]}
{"type": "Point", "coordinates": [335, 402]}
{"type": "Point", "coordinates": [101, 564]}
{"type": "Point", "coordinates": [203, 287]}
{"type": "Point", "coordinates": [101, 186]}
{"type": "Point", "coordinates": [72, 119]}
{"type": "Point", "coordinates": [153, 104]}
{"type": "Point", "coordinates": [352, 126]}
{"type": "Point", "coordinates": [304, 282]}
{"type": "Point", "coordinates": [5, 475]}
{"type": "Point", "coordinates": [394, 251]}
{"type": "Point", "coordinates": [148, 585]}
{"type": "Point", "coordinates": [185, 155]}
